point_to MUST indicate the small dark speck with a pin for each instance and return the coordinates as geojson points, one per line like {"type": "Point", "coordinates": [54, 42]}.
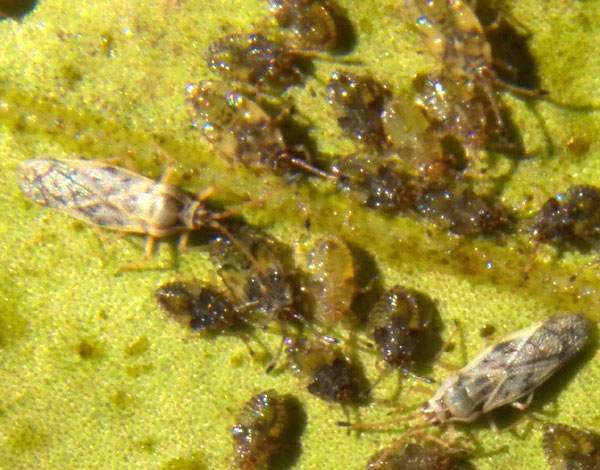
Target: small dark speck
{"type": "Point", "coordinates": [88, 349]}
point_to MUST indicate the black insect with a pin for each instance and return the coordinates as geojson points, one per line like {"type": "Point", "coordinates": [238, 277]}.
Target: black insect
{"type": "Point", "coordinates": [330, 375]}
{"type": "Point", "coordinates": [397, 324]}
{"type": "Point", "coordinates": [358, 102]}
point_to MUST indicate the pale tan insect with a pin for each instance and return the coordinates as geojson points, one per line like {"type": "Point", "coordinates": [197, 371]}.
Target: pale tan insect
{"type": "Point", "coordinates": [117, 199]}
{"type": "Point", "coordinates": [509, 370]}
{"type": "Point", "coordinates": [409, 134]}
{"type": "Point", "coordinates": [453, 33]}
{"type": "Point", "coordinates": [332, 286]}
{"type": "Point", "coordinates": [504, 372]}
{"type": "Point", "coordinates": [458, 96]}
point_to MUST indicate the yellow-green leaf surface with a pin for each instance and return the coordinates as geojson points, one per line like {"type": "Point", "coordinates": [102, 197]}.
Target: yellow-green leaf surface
{"type": "Point", "coordinates": [95, 376]}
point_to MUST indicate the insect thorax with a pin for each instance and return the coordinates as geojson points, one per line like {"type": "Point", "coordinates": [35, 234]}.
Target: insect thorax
{"type": "Point", "coordinates": [451, 403]}
{"type": "Point", "coordinates": [160, 209]}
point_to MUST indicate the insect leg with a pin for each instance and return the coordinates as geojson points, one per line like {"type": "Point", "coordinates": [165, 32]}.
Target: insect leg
{"type": "Point", "coordinates": [523, 405]}
{"type": "Point", "coordinates": [149, 249]}
{"type": "Point", "coordinates": [205, 194]}
{"type": "Point", "coordinates": [183, 240]}
{"type": "Point", "coordinates": [167, 174]}
{"type": "Point", "coordinates": [518, 90]}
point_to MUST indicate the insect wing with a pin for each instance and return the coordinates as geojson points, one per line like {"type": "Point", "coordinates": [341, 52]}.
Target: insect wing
{"type": "Point", "coordinates": [92, 192]}
{"type": "Point", "coordinates": [523, 360]}
{"type": "Point", "coordinates": [496, 377]}
{"type": "Point", "coordinates": [544, 348]}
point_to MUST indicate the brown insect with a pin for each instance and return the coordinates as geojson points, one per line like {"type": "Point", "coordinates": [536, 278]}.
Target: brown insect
{"type": "Point", "coordinates": [264, 286]}
{"type": "Point", "coordinates": [458, 111]}
{"type": "Point", "coordinates": [255, 60]}
{"type": "Point", "coordinates": [237, 127]}
{"type": "Point", "coordinates": [331, 375]}
{"type": "Point", "coordinates": [461, 211]}
{"type": "Point", "coordinates": [261, 428]}
{"type": "Point", "coordinates": [358, 102]}
{"type": "Point", "coordinates": [459, 96]}
{"type": "Point", "coordinates": [571, 219]}
{"type": "Point", "coordinates": [427, 456]}
{"type": "Point", "coordinates": [378, 185]}
{"type": "Point", "coordinates": [453, 34]}
{"type": "Point", "coordinates": [312, 24]}
{"type": "Point", "coordinates": [569, 448]}
{"type": "Point", "coordinates": [202, 308]}
{"type": "Point", "coordinates": [396, 324]}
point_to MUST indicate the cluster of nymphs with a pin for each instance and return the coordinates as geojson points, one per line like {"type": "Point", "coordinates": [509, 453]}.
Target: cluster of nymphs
{"type": "Point", "coordinates": [503, 373]}
{"type": "Point", "coordinates": [415, 159]}
{"type": "Point", "coordinates": [233, 114]}
{"type": "Point", "coordinates": [400, 327]}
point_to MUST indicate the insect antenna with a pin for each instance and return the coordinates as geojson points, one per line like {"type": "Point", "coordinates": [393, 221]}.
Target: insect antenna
{"type": "Point", "coordinates": [216, 216]}
{"type": "Point", "coordinates": [385, 372]}
{"type": "Point", "coordinates": [385, 424]}
{"type": "Point", "coordinates": [227, 234]}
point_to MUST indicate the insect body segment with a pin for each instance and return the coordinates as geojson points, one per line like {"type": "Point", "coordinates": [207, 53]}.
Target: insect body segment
{"type": "Point", "coordinates": [312, 24]}
{"type": "Point", "coordinates": [509, 370]}
{"type": "Point", "coordinates": [569, 448]}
